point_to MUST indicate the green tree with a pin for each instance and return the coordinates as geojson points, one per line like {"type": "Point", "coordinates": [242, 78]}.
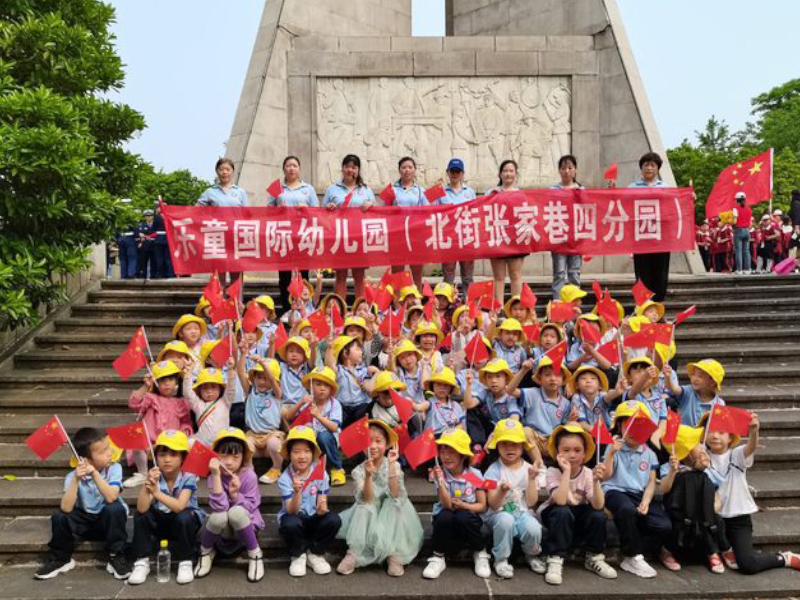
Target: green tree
{"type": "Point", "coordinates": [62, 162]}
{"type": "Point", "coordinates": [779, 112]}
{"type": "Point", "coordinates": [176, 187]}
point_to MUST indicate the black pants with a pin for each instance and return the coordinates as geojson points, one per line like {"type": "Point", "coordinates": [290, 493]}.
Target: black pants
{"type": "Point", "coordinates": [653, 270]}
{"type": "Point", "coordinates": [237, 416]}
{"type": "Point", "coordinates": [161, 261]}
{"type": "Point", "coordinates": [106, 526]}
{"type": "Point", "coordinates": [180, 529]}
{"type": "Point", "coordinates": [705, 254]}
{"type": "Point", "coordinates": [739, 531]}
{"type": "Point", "coordinates": [146, 266]}
{"type": "Point", "coordinates": [568, 526]}
{"type": "Point", "coordinates": [312, 533]}
{"type": "Point", "coordinates": [351, 414]}
{"type": "Point", "coordinates": [454, 530]}
{"type": "Point", "coordinates": [631, 525]}
{"type": "Point", "coordinates": [284, 279]}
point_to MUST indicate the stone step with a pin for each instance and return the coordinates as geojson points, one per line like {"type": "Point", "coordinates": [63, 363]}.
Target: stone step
{"type": "Point", "coordinates": [753, 374]}
{"type": "Point", "coordinates": [33, 398]}
{"type": "Point", "coordinates": [748, 353]}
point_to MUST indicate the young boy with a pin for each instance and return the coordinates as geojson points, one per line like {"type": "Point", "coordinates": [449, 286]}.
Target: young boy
{"type": "Point", "coordinates": [643, 377]}
{"type": "Point", "coordinates": [507, 345]}
{"type": "Point", "coordinates": [494, 378]}
{"type": "Point", "coordinates": [703, 392]}
{"type": "Point", "coordinates": [91, 508]}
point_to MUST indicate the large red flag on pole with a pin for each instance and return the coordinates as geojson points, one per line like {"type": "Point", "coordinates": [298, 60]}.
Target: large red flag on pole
{"type": "Point", "coordinates": [752, 176]}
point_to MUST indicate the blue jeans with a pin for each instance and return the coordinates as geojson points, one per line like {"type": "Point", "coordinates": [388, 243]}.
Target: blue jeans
{"type": "Point", "coordinates": [522, 526]}
{"type": "Point", "coordinates": [128, 257]}
{"type": "Point", "coordinates": [330, 448]}
{"type": "Point", "coordinates": [741, 248]}
{"type": "Point", "coordinates": [566, 267]}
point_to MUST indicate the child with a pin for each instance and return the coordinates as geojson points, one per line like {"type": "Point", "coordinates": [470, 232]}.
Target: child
{"type": "Point", "coordinates": [167, 510]}
{"type": "Point", "coordinates": [305, 304]}
{"type": "Point", "coordinates": [235, 502]}
{"type": "Point", "coordinates": [358, 327]}
{"type": "Point", "coordinates": [91, 508]}
{"type": "Point", "coordinates": [267, 327]}
{"type": "Point", "coordinates": [190, 330]}
{"type": "Point", "coordinates": [210, 400]}
{"type": "Point", "coordinates": [305, 523]}
{"type": "Point", "coordinates": [514, 309]}
{"type": "Point", "coordinates": [494, 378]}
{"type": "Point", "coordinates": [295, 355]}
{"type": "Point", "coordinates": [166, 409]}
{"type": "Point", "coordinates": [263, 392]}
{"type": "Point", "coordinates": [590, 396]}
{"type": "Point", "coordinates": [409, 296]}
{"type": "Point", "coordinates": [203, 310]}
{"type": "Point", "coordinates": [457, 512]}
{"type": "Point", "coordinates": [509, 513]}
{"type": "Point", "coordinates": [406, 362]}
{"type": "Point", "coordinates": [506, 345]}
{"type": "Point", "coordinates": [344, 357]}
{"type": "Point", "coordinates": [729, 464]}
{"type": "Point", "coordinates": [574, 510]}
{"type": "Point", "coordinates": [445, 296]}
{"type": "Point", "coordinates": [326, 415]}
{"type": "Point", "coordinates": [549, 335]}
{"type": "Point", "coordinates": [382, 406]}
{"type": "Point", "coordinates": [382, 524]}
{"type": "Point", "coordinates": [702, 394]}
{"type": "Point", "coordinates": [429, 338]}
{"type": "Point", "coordinates": [414, 316]}
{"type": "Point", "coordinates": [179, 353]}
{"type": "Point", "coordinates": [629, 486]}
{"type": "Point", "coordinates": [652, 311]}
{"type": "Point", "coordinates": [643, 376]}
{"type": "Point", "coordinates": [580, 351]}
{"type": "Point", "coordinates": [443, 413]}
{"type": "Point", "coordinates": [464, 329]}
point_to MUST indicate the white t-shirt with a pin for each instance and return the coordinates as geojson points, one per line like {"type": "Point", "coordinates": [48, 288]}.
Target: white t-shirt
{"type": "Point", "coordinates": [731, 467]}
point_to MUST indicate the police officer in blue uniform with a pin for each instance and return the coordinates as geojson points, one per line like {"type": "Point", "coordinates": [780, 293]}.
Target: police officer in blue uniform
{"type": "Point", "coordinates": [161, 258]}
{"type": "Point", "coordinates": [145, 238]}
{"type": "Point", "coordinates": [128, 252]}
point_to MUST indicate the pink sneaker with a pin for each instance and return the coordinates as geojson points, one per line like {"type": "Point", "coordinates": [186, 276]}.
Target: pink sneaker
{"type": "Point", "coordinates": [715, 564]}
{"type": "Point", "coordinates": [668, 560]}
{"type": "Point", "coordinates": [729, 558]}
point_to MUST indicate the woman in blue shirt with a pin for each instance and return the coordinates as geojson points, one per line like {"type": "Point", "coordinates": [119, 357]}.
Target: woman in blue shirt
{"type": "Point", "coordinates": [349, 192]}
{"type": "Point", "coordinates": [457, 193]}
{"type": "Point", "coordinates": [408, 193]}
{"type": "Point", "coordinates": [566, 266]}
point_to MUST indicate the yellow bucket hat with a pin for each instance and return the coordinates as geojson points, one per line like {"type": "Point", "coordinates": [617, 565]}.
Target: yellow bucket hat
{"type": "Point", "coordinates": [234, 433]}
{"type": "Point", "coordinates": [385, 381]}
{"type": "Point", "coordinates": [165, 368]}
{"type": "Point", "coordinates": [429, 327]}
{"type": "Point", "coordinates": [710, 367]}
{"type": "Point", "coordinates": [391, 433]}
{"type": "Point", "coordinates": [206, 348]}
{"type": "Point", "coordinates": [298, 341]}
{"type": "Point", "coordinates": [209, 375]}
{"type": "Point", "coordinates": [273, 366]}
{"type": "Point", "coordinates": [185, 320]}
{"type": "Point", "coordinates": [628, 409]}
{"type": "Point", "coordinates": [328, 297]}
{"type": "Point", "coordinates": [511, 324]}
{"type": "Point", "coordinates": [640, 308]}
{"type": "Point", "coordinates": [640, 360]}
{"type": "Point", "coordinates": [444, 375]}
{"type": "Point", "coordinates": [559, 331]}
{"type": "Point", "coordinates": [588, 443]}
{"type": "Point", "coordinates": [572, 382]}
{"type": "Point", "coordinates": [588, 318]}
{"type": "Point", "coordinates": [173, 439]}
{"type": "Point", "coordinates": [458, 440]}
{"type": "Point", "coordinates": [323, 374]}
{"type": "Point", "coordinates": [409, 290]}
{"type": "Point", "coordinates": [570, 293]}
{"type": "Point", "coordinates": [701, 424]}
{"type": "Point", "coordinates": [546, 361]}
{"type": "Point", "coordinates": [202, 304]}
{"type": "Point", "coordinates": [508, 430]}
{"type": "Point", "coordinates": [174, 346]}
{"type": "Point", "coordinates": [304, 433]}
{"type": "Point", "coordinates": [496, 365]}
{"type": "Point", "coordinates": [686, 440]}
{"type": "Point", "coordinates": [238, 329]}
{"type": "Point", "coordinates": [460, 311]}
{"type": "Point", "coordinates": [267, 302]}
{"type": "Point", "coordinates": [339, 344]}
{"type": "Point", "coordinates": [406, 346]}
{"type": "Point", "coordinates": [358, 322]}
{"type": "Point", "coordinates": [510, 303]}
{"type": "Point", "coordinates": [302, 325]}
{"type": "Point", "coordinates": [445, 289]}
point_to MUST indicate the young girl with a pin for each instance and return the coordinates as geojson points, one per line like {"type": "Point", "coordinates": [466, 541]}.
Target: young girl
{"type": "Point", "coordinates": [464, 329]}
{"type": "Point", "coordinates": [457, 512]}
{"type": "Point", "coordinates": [344, 357]}
{"type": "Point", "coordinates": [643, 376]}
{"type": "Point", "coordinates": [513, 309]}
{"type": "Point", "coordinates": [382, 406]}
{"type": "Point", "coordinates": [582, 352]}
{"type": "Point", "coordinates": [190, 330]}
{"type": "Point", "coordinates": [507, 345]}
{"type": "Point", "coordinates": [443, 413]}
{"type": "Point", "coordinates": [509, 513]}
{"type": "Point", "coordinates": [382, 524]}
{"type": "Point", "coordinates": [305, 304]}
{"type": "Point", "coordinates": [702, 394]}
{"type": "Point", "coordinates": [179, 353]}
{"type": "Point", "coordinates": [326, 415]}
{"type": "Point", "coordinates": [235, 502]}
{"type": "Point", "coordinates": [574, 510]}
{"type": "Point", "coordinates": [429, 337]}
{"type": "Point", "coordinates": [296, 357]}
{"type": "Point", "coordinates": [414, 316]}
{"type": "Point", "coordinates": [203, 310]}
{"type": "Point", "coordinates": [406, 361]}
{"type": "Point", "coordinates": [445, 297]}
{"type": "Point", "coordinates": [305, 523]}
{"type": "Point", "coordinates": [549, 335]}
{"type": "Point", "coordinates": [267, 327]}
{"type": "Point", "coordinates": [162, 410]}
{"type": "Point", "coordinates": [167, 510]}
{"type": "Point", "coordinates": [590, 396]}
{"type": "Point", "coordinates": [210, 400]}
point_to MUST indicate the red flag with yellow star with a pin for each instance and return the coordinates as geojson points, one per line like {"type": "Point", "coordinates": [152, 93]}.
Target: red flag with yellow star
{"type": "Point", "coordinates": [131, 436]}
{"type": "Point", "coordinates": [134, 357]}
{"type": "Point", "coordinates": [47, 439]}
{"type": "Point", "coordinates": [752, 176]}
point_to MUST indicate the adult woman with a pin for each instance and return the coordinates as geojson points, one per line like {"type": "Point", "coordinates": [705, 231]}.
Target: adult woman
{"type": "Point", "coordinates": [457, 193]}
{"type": "Point", "coordinates": [509, 264]}
{"type": "Point", "coordinates": [224, 193]}
{"type": "Point", "coordinates": [360, 196]}
{"type": "Point", "coordinates": [408, 193]}
{"type": "Point", "coordinates": [566, 266]}
{"type": "Point", "coordinates": [296, 192]}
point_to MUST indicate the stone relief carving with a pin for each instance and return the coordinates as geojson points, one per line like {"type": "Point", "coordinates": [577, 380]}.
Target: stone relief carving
{"type": "Point", "coordinates": [482, 120]}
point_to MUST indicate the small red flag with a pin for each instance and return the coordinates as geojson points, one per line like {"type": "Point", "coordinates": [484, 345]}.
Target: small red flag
{"type": "Point", "coordinates": [404, 406]}
{"type": "Point", "coordinates": [476, 351]}
{"type": "Point", "coordinates": [644, 338]}
{"type": "Point", "coordinates": [253, 317]}
{"type": "Point", "coordinates": [730, 420]}
{"type": "Point", "coordinates": [198, 458]}
{"type": "Point", "coordinates": [590, 332]}
{"type": "Point", "coordinates": [480, 291]}
{"type": "Point", "coordinates": [447, 342]}
{"type": "Point", "coordinates": [130, 437]}
{"type": "Point", "coordinates": [304, 417]}
{"type": "Point", "coordinates": [640, 292]}
{"type": "Point", "coordinates": [478, 455]}
{"type": "Point", "coordinates": [400, 280]}
{"type": "Point", "coordinates": [561, 312]}
{"type": "Point", "coordinates": [557, 354]}
{"type": "Point", "coordinates": [403, 438]}
{"type": "Point", "coordinates": [490, 303]}
{"type": "Point", "coordinates": [355, 438]}
{"type": "Point", "coordinates": [234, 291]}
{"type": "Point", "coordinates": [600, 432]}
{"type": "Point", "coordinates": [435, 192]}
{"type": "Point", "coordinates": [607, 308]}
{"type": "Point", "coordinates": [392, 324]}
{"type": "Point", "coordinates": [223, 351]}
{"type": "Point", "coordinates": [336, 318]}
{"type": "Point", "coordinates": [213, 290]}
{"type": "Point", "coordinates": [387, 195]}
{"type": "Point", "coordinates": [224, 311]}
{"type": "Point", "coordinates": [428, 310]}
{"type": "Point", "coordinates": [275, 188]}
{"type": "Point", "coordinates": [296, 286]}
{"type": "Point", "coordinates": [477, 482]}
{"type": "Point", "coordinates": [369, 293]}
{"type": "Point", "coordinates": [611, 172]}
{"type": "Point", "coordinates": [673, 424]}
{"type": "Point", "coordinates": [610, 351]}
{"type": "Point", "coordinates": [474, 310]}
{"type": "Point", "coordinates": [383, 299]}
{"type": "Point", "coordinates": [753, 176]}
{"type": "Point", "coordinates": [662, 333]}
{"type": "Point", "coordinates": [683, 315]}
{"type": "Point", "coordinates": [386, 278]}
{"type": "Point", "coordinates": [421, 449]}
{"type": "Point", "coordinates": [527, 298]}
{"type": "Point", "coordinates": [319, 323]}
{"type": "Point", "coordinates": [598, 292]}
{"type": "Point", "coordinates": [318, 472]}
{"type": "Point", "coordinates": [281, 337]}
{"type": "Point", "coordinates": [427, 291]}
{"type": "Point", "coordinates": [531, 332]}
{"type": "Point", "coordinates": [134, 357]}
{"type": "Point", "coordinates": [641, 428]}
{"type": "Point", "coordinates": [347, 199]}
{"type": "Point", "coordinates": [47, 439]}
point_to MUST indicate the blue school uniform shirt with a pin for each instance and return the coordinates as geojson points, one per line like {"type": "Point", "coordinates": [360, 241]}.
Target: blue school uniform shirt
{"type": "Point", "coordinates": [413, 196]}
{"type": "Point", "coordinates": [216, 196]}
{"type": "Point", "coordinates": [478, 390]}
{"type": "Point", "coordinates": [514, 356]}
{"type": "Point", "coordinates": [413, 383]}
{"type": "Point", "coordinates": [262, 412]}
{"type": "Point", "coordinates": [333, 411]}
{"type": "Point", "coordinates": [661, 386]}
{"type": "Point", "coordinates": [632, 467]}
{"type": "Point", "coordinates": [338, 192]}
{"type": "Point", "coordinates": [184, 481]}
{"type": "Point", "coordinates": [90, 499]}
{"type": "Point", "coordinates": [303, 195]}
{"type": "Point", "coordinates": [542, 414]}
{"type": "Point", "coordinates": [444, 417]}
{"type": "Point", "coordinates": [575, 352]}
{"type": "Point", "coordinates": [351, 391]}
{"type": "Point", "coordinates": [654, 402]}
{"type": "Point", "coordinates": [453, 483]}
{"type": "Point", "coordinates": [691, 407]}
{"type": "Point", "coordinates": [308, 497]}
{"type": "Point", "coordinates": [502, 407]}
{"type": "Point", "coordinates": [292, 387]}
{"type": "Point", "coordinates": [590, 411]}
{"type": "Point", "coordinates": [465, 194]}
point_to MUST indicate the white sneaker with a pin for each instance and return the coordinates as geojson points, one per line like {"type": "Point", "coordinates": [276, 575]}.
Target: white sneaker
{"type": "Point", "coordinates": [204, 563]}
{"type": "Point", "coordinates": [135, 480]}
{"type": "Point", "coordinates": [482, 568]}
{"type": "Point", "coordinates": [436, 567]}
{"type": "Point", "coordinates": [555, 569]}
{"type": "Point", "coordinates": [536, 564]}
{"type": "Point", "coordinates": [318, 564]}
{"type": "Point", "coordinates": [638, 566]}
{"type": "Point", "coordinates": [185, 572]}
{"type": "Point", "coordinates": [297, 568]}
{"type": "Point", "coordinates": [141, 569]}
{"type": "Point", "coordinates": [255, 567]}
{"type": "Point", "coordinates": [596, 563]}
{"type": "Point", "coordinates": [504, 569]}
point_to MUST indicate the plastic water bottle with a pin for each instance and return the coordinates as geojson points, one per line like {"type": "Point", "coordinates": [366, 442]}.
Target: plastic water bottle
{"type": "Point", "coordinates": [163, 563]}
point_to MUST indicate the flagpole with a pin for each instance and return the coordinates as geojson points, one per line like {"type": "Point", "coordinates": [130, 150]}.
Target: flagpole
{"type": "Point", "coordinates": [771, 170]}
{"type": "Point", "coordinates": [620, 348]}
{"type": "Point", "coordinates": [147, 342]}
{"type": "Point", "coordinates": [630, 422]}
{"type": "Point", "coordinates": [149, 443]}
{"type": "Point", "coordinates": [69, 441]}
{"type": "Point", "coordinates": [708, 424]}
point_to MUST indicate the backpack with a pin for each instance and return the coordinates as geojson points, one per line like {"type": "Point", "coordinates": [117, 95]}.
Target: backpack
{"type": "Point", "coordinates": [690, 505]}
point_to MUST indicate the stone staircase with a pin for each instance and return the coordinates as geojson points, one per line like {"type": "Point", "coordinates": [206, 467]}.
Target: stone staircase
{"type": "Point", "coordinates": [751, 324]}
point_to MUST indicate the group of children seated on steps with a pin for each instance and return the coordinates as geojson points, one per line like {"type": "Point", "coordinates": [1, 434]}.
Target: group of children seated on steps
{"type": "Point", "coordinates": [512, 427]}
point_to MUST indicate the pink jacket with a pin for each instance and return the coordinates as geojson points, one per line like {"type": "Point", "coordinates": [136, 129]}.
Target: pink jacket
{"type": "Point", "coordinates": [160, 413]}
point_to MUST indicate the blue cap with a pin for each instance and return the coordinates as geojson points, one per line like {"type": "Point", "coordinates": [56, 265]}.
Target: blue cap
{"type": "Point", "coordinates": [455, 164]}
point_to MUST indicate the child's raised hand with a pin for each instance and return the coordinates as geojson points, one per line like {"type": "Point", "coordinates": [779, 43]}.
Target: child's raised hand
{"type": "Point", "coordinates": [755, 424]}
{"type": "Point", "coordinates": [149, 382]}
{"type": "Point", "coordinates": [84, 469]}
{"type": "Point", "coordinates": [674, 463]}
{"type": "Point", "coordinates": [667, 370]}
{"type": "Point", "coordinates": [230, 363]}
{"type": "Point", "coordinates": [297, 485]}
{"type": "Point", "coordinates": [652, 372]}
{"type": "Point", "coordinates": [373, 370]}
{"type": "Point", "coordinates": [563, 464]}
{"type": "Point", "coordinates": [574, 414]}
{"type": "Point", "coordinates": [437, 473]}
{"type": "Point", "coordinates": [533, 471]}
{"type": "Point", "coordinates": [369, 468]}
{"type": "Point", "coordinates": [599, 472]}
{"type": "Point", "coordinates": [527, 365]}
{"type": "Point", "coordinates": [235, 485]}
{"type": "Point", "coordinates": [214, 466]}
{"type": "Point", "coordinates": [616, 445]}
{"type": "Point", "coordinates": [154, 474]}
{"type": "Point", "coordinates": [394, 454]}
{"type": "Point", "coordinates": [315, 410]}
{"type": "Point", "coordinates": [505, 486]}
{"type": "Point", "coordinates": [469, 376]}
{"type": "Point", "coordinates": [306, 400]}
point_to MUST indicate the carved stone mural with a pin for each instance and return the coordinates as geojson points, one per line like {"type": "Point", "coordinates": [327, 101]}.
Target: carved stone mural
{"type": "Point", "coordinates": [482, 120]}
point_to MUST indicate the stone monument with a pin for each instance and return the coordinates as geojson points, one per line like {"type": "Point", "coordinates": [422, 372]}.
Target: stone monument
{"type": "Point", "coordinates": [524, 79]}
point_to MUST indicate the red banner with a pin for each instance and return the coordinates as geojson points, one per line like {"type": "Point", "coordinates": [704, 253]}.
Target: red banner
{"type": "Point", "coordinates": [595, 222]}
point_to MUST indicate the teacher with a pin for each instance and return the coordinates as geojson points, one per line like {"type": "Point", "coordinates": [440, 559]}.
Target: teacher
{"type": "Point", "coordinates": [512, 265]}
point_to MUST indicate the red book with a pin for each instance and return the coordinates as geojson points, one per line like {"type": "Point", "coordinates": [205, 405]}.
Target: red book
{"type": "Point", "coordinates": [644, 338]}
{"type": "Point", "coordinates": [640, 293]}
{"type": "Point", "coordinates": [427, 291]}
{"type": "Point", "coordinates": [673, 424]}
{"type": "Point", "coordinates": [421, 449]}
{"type": "Point", "coordinates": [319, 324]}
{"type": "Point", "coordinates": [198, 458]}
{"type": "Point", "coordinates": [663, 333]}
{"type": "Point", "coordinates": [610, 174]}
{"type": "Point", "coordinates": [213, 290]}
{"type": "Point", "coordinates": [527, 298]}
{"type": "Point", "coordinates": [480, 290]}
{"type": "Point", "coordinates": [531, 332]}
{"type": "Point", "coordinates": [598, 292]}
{"type": "Point", "coordinates": [347, 200]}
{"type": "Point", "coordinates": [223, 351]}
{"type": "Point", "coordinates": [561, 312]}
{"type": "Point", "coordinates": [296, 286]}
{"type": "Point", "coordinates": [404, 406]}
{"type": "Point", "coordinates": [281, 337]}
{"type": "Point", "coordinates": [387, 195]}
{"type": "Point", "coordinates": [47, 439]}
{"type": "Point", "coordinates": [392, 324]}
{"type": "Point", "coordinates": [403, 438]}
{"type": "Point", "coordinates": [130, 437]}
{"type": "Point", "coordinates": [477, 482]}
{"type": "Point", "coordinates": [383, 299]}
{"type": "Point", "coordinates": [428, 310]}
{"type": "Point", "coordinates": [224, 311]}
{"type": "Point", "coordinates": [318, 472]}
{"type": "Point", "coordinates": [304, 417]}
{"type": "Point", "coordinates": [610, 351]}
{"type": "Point", "coordinates": [475, 350]}
{"type": "Point", "coordinates": [557, 354]}
{"type": "Point", "coordinates": [275, 188]}
{"type": "Point", "coordinates": [435, 192]}
{"type": "Point", "coordinates": [607, 308]}
{"type": "Point", "coordinates": [683, 315]}
{"type": "Point", "coordinates": [336, 318]}
{"type": "Point", "coordinates": [640, 428]}
{"type": "Point", "coordinates": [134, 357]}
{"type": "Point", "coordinates": [400, 280]}
{"type": "Point", "coordinates": [728, 419]}
{"type": "Point", "coordinates": [447, 342]}
{"type": "Point", "coordinates": [253, 317]}
{"type": "Point", "coordinates": [752, 176]}
{"type": "Point", "coordinates": [590, 333]}
{"type": "Point", "coordinates": [355, 438]}
{"type": "Point", "coordinates": [600, 433]}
